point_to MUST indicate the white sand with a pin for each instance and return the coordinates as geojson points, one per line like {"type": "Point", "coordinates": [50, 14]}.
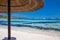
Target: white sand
{"type": "Point", "coordinates": [29, 34]}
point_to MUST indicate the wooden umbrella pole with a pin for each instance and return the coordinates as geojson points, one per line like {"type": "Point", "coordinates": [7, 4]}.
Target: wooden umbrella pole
{"type": "Point", "coordinates": [9, 31]}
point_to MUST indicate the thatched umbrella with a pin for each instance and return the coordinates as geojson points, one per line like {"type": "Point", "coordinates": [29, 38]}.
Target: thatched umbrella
{"type": "Point", "coordinates": [19, 6]}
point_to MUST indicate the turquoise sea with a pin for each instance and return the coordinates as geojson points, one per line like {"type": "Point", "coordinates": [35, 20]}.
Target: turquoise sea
{"type": "Point", "coordinates": [45, 24]}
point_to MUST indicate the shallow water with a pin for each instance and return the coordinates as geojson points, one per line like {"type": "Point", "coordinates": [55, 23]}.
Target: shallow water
{"type": "Point", "coordinates": [38, 24]}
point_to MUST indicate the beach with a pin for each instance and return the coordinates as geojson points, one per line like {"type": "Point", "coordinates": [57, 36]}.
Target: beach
{"type": "Point", "coordinates": [27, 24]}
{"type": "Point", "coordinates": [29, 34]}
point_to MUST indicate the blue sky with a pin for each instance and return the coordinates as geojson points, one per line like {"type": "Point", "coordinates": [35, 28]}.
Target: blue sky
{"type": "Point", "coordinates": [51, 9]}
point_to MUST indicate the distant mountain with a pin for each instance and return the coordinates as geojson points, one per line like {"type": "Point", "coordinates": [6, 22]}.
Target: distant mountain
{"type": "Point", "coordinates": [13, 17]}
{"type": "Point", "coordinates": [1, 16]}
{"type": "Point", "coordinates": [18, 17]}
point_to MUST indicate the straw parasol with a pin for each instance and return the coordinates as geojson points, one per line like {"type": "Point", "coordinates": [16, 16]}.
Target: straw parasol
{"type": "Point", "coordinates": [19, 6]}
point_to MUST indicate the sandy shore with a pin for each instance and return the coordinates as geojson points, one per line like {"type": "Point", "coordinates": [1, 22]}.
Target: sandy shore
{"type": "Point", "coordinates": [29, 34]}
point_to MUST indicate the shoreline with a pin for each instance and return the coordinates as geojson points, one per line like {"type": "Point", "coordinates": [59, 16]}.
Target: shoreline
{"type": "Point", "coordinates": [36, 27]}
{"type": "Point", "coordinates": [16, 31]}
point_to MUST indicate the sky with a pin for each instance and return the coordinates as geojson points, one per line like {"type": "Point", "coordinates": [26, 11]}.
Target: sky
{"type": "Point", "coordinates": [51, 9]}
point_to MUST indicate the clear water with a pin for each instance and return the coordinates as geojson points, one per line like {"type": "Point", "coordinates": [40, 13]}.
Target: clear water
{"type": "Point", "coordinates": [31, 23]}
